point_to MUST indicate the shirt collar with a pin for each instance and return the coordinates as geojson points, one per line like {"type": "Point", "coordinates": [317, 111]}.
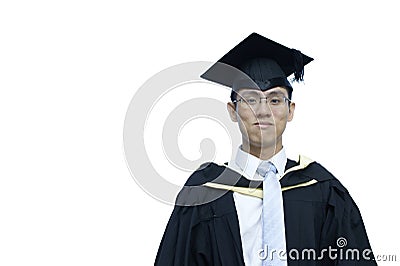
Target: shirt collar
{"type": "Point", "coordinates": [247, 164]}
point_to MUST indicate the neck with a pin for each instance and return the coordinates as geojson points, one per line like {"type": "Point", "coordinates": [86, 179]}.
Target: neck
{"type": "Point", "coordinates": [263, 153]}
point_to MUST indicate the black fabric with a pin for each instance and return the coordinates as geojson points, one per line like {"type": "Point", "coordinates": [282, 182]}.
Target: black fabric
{"type": "Point", "coordinates": [261, 84]}
{"type": "Point", "coordinates": [316, 216]}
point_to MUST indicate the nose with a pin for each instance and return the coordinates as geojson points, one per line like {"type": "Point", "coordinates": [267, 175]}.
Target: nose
{"type": "Point", "coordinates": [262, 109]}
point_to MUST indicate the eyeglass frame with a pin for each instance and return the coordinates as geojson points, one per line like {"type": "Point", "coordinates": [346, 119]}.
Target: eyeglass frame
{"type": "Point", "coordinates": [259, 102]}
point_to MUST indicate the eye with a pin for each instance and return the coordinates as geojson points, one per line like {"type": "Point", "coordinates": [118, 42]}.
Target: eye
{"type": "Point", "coordinates": [251, 100]}
{"type": "Point", "coordinates": [276, 100]}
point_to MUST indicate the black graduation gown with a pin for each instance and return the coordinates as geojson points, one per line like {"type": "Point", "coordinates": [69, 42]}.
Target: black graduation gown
{"type": "Point", "coordinates": [316, 216]}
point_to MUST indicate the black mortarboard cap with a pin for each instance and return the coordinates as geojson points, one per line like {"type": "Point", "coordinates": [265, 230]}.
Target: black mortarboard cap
{"type": "Point", "coordinates": [260, 61]}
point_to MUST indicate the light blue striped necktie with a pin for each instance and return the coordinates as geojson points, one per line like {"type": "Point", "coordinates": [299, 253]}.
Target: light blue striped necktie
{"type": "Point", "coordinates": [273, 223]}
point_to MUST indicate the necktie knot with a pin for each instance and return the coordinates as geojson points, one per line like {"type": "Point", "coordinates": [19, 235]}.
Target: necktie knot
{"type": "Point", "coordinates": [266, 167]}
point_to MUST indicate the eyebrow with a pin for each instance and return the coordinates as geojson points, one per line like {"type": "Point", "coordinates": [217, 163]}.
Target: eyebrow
{"type": "Point", "coordinates": [275, 93]}
{"type": "Point", "coordinates": [252, 93]}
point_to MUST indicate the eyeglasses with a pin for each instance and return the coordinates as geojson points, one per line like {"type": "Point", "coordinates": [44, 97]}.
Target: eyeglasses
{"type": "Point", "coordinates": [273, 101]}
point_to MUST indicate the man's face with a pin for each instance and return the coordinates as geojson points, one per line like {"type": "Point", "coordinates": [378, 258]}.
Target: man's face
{"type": "Point", "coordinates": [262, 124]}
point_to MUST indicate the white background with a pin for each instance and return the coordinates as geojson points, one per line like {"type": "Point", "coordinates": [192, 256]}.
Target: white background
{"type": "Point", "coordinates": [68, 70]}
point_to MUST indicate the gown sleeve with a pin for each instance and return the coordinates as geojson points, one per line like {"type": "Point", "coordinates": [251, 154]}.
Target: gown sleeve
{"type": "Point", "coordinates": [344, 231]}
{"type": "Point", "coordinates": [203, 228]}
{"type": "Point", "coordinates": [175, 245]}
{"type": "Point", "coordinates": [202, 235]}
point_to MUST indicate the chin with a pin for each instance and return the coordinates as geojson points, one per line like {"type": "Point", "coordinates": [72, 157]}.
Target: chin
{"type": "Point", "coordinates": [264, 139]}
{"type": "Point", "coordinates": [266, 143]}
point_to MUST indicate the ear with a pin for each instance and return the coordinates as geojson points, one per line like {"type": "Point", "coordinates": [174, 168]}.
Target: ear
{"type": "Point", "coordinates": [292, 107]}
{"type": "Point", "coordinates": [232, 111]}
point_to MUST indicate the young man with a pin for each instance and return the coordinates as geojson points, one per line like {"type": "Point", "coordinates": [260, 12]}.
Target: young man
{"type": "Point", "coordinates": [263, 209]}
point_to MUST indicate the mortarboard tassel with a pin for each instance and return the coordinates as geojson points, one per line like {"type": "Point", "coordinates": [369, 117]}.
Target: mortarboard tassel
{"type": "Point", "coordinates": [298, 65]}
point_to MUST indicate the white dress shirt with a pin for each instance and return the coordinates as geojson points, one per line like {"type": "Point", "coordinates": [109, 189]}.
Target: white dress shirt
{"type": "Point", "coordinates": [249, 209]}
